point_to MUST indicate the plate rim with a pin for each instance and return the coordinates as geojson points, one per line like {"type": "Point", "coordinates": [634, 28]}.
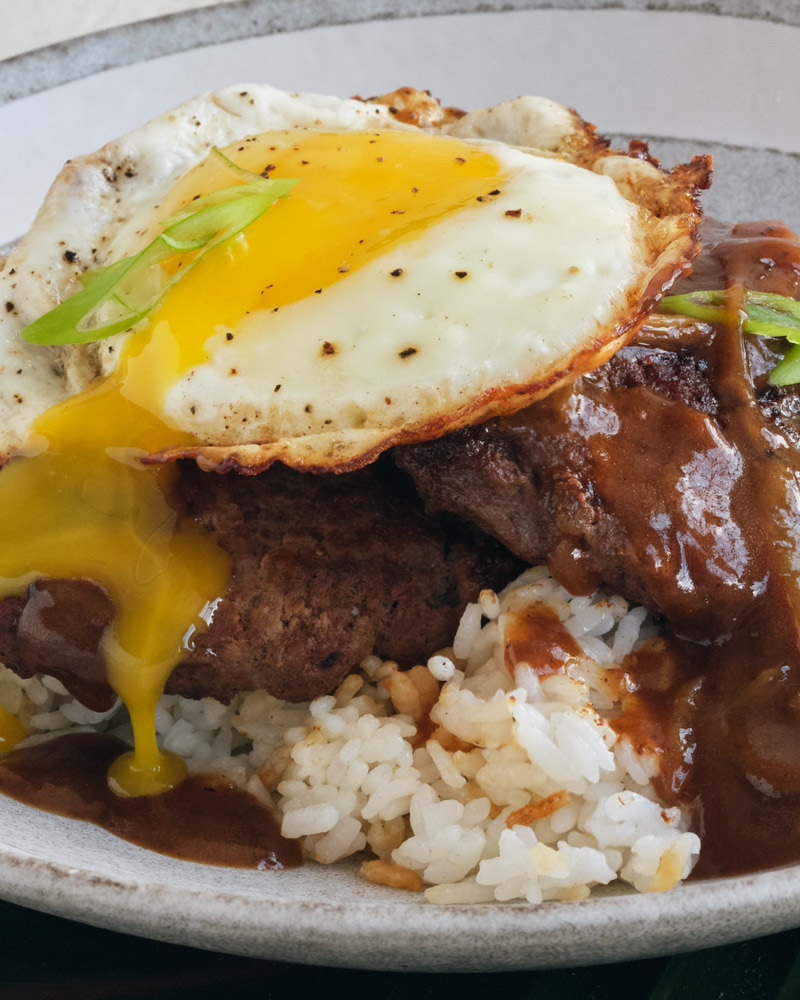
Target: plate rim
{"type": "Point", "coordinates": [52, 66]}
{"type": "Point", "coordinates": [512, 937]}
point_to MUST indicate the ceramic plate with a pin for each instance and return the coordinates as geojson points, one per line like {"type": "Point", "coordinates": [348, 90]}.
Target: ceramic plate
{"type": "Point", "coordinates": [727, 82]}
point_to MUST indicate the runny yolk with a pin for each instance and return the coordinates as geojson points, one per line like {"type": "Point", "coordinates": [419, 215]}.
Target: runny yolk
{"type": "Point", "coordinates": [80, 504]}
{"type": "Point", "coordinates": [86, 508]}
{"type": "Point", "coordinates": [12, 730]}
{"type": "Point", "coordinates": [358, 195]}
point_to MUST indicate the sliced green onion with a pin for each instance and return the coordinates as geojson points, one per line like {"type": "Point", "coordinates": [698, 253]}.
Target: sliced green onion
{"type": "Point", "coordinates": [763, 314]}
{"type": "Point", "coordinates": [771, 315]}
{"type": "Point", "coordinates": [278, 188]}
{"type": "Point", "coordinates": [706, 306]}
{"type": "Point", "coordinates": [787, 370]}
{"type": "Point", "coordinates": [117, 297]}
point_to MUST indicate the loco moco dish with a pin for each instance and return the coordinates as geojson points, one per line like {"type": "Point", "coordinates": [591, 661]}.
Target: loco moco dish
{"type": "Point", "coordinates": [337, 286]}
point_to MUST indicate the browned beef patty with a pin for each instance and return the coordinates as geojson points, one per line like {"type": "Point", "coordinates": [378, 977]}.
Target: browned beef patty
{"type": "Point", "coordinates": [326, 569]}
{"type": "Point", "coordinates": [622, 479]}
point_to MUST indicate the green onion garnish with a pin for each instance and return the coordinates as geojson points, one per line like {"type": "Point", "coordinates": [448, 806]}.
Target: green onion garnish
{"type": "Point", "coordinates": [763, 314]}
{"type": "Point", "coordinates": [117, 297]}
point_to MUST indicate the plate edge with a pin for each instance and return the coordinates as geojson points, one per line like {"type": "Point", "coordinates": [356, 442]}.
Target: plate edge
{"type": "Point", "coordinates": [54, 65]}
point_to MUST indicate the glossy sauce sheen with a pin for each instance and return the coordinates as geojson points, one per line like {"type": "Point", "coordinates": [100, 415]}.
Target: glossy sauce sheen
{"type": "Point", "coordinates": [732, 723]}
{"type": "Point", "coordinates": [708, 497]}
{"type": "Point", "coordinates": [203, 819]}
{"type": "Point", "coordinates": [536, 637]}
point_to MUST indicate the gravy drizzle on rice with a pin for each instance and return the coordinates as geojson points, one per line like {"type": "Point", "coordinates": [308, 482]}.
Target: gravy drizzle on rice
{"type": "Point", "coordinates": [476, 777]}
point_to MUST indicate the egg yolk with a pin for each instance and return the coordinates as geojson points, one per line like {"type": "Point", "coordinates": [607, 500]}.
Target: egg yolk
{"type": "Point", "coordinates": [81, 504]}
{"type": "Point", "coordinates": [11, 730]}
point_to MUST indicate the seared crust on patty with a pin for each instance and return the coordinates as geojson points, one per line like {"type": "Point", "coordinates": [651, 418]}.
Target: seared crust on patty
{"type": "Point", "coordinates": [326, 570]}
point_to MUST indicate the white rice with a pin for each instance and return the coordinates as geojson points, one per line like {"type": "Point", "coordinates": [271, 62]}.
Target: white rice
{"type": "Point", "coordinates": [437, 773]}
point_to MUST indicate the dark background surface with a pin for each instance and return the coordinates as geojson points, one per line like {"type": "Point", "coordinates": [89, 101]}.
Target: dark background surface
{"type": "Point", "coordinates": [48, 958]}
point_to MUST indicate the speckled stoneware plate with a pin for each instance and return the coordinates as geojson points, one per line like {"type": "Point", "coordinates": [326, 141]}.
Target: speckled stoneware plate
{"type": "Point", "coordinates": [691, 76]}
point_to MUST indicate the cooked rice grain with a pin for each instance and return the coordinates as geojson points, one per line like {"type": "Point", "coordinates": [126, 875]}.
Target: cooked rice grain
{"type": "Point", "coordinates": [479, 785]}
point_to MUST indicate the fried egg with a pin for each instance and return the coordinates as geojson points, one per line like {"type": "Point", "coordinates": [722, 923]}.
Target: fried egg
{"type": "Point", "coordinates": [414, 280]}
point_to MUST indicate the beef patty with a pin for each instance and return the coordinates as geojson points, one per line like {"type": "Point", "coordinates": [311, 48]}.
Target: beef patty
{"type": "Point", "coordinates": [656, 473]}
{"type": "Point", "coordinates": [326, 569]}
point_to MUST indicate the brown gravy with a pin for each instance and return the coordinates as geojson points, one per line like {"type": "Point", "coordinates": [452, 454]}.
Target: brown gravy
{"type": "Point", "coordinates": [723, 736]}
{"type": "Point", "coordinates": [204, 819]}
{"type": "Point", "coordinates": [729, 712]}
{"type": "Point", "coordinates": [709, 498]}
{"type": "Point", "coordinates": [537, 637]}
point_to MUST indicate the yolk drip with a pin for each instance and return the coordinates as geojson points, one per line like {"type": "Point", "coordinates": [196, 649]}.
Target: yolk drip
{"type": "Point", "coordinates": [11, 731]}
{"type": "Point", "coordinates": [86, 508]}
{"type": "Point", "coordinates": [82, 505]}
